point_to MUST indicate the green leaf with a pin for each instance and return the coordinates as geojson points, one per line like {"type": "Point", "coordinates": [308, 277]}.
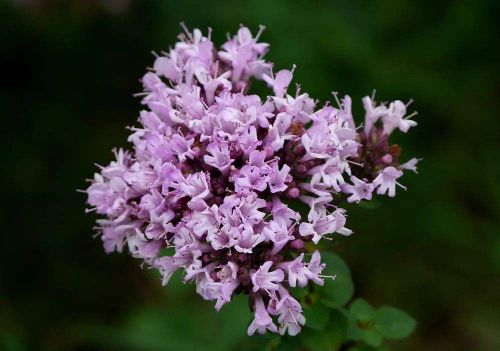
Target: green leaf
{"type": "Point", "coordinates": [328, 339]}
{"type": "Point", "coordinates": [299, 293]}
{"type": "Point", "coordinates": [359, 324]}
{"type": "Point", "coordinates": [317, 316]}
{"type": "Point", "coordinates": [353, 331]}
{"type": "Point", "coordinates": [393, 323]}
{"type": "Point", "coordinates": [336, 293]}
{"type": "Point", "coordinates": [362, 310]}
{"type": "Point", "coordinates": [372, 337]}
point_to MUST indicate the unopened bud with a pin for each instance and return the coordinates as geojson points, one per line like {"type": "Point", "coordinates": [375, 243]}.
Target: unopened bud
{"type": "Point", "coordinates": [386, 159]}
{"type": "Point", "coordinates": [293, 193]}
{"type": "Point", "coordinates": [297, 244]}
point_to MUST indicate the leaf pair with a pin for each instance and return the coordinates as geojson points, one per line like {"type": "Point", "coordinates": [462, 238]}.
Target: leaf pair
{"type": "Point", "coordinates": [373, 325]}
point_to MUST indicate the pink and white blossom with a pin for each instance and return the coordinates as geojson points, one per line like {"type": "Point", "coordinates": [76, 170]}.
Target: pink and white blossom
{"type": "Point", "coordinates": [217, 175]}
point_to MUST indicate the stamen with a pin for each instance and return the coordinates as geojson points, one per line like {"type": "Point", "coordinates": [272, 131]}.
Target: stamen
{"type": "Point", "coordinates": [402, 186]}
{"type": "Point", "coordinates": [410, 116]}
{"type": "Point", "coordinates": [204, 103]}
{"type": "Point", "coordinates": [243, 86]}
{"type": "Point", "coordinates": [183, 26]}
{"type": "Point", "coordinates": [135, 129]}
{"type": "Point", "coordinates": [355, 163]}
{"type": "Point", "coordinates": [276, 158]}
{"type": "Point", "coordinates": [292, 227]}
{"type": "Point", "coordinates": [261, 29]}
{"type": "Point", "coordinates": [335, 95]}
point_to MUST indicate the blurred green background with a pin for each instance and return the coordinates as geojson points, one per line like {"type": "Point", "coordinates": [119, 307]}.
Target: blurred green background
{"type": "Point", "coordinates": [69, 69]}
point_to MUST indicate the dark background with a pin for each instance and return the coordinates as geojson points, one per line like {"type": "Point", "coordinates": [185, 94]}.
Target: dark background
{"type": "Point", "coordinates": [68, 71]}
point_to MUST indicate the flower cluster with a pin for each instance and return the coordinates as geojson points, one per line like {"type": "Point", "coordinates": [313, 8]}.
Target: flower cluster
{"type": "Point", "coordinates": [210, 184]}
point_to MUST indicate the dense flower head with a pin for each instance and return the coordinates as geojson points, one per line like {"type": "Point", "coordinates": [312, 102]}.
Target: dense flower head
{"type": "Point", "coordinates": [214, 170]}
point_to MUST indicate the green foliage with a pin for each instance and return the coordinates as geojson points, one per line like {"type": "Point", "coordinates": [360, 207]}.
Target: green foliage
{"type": "Point", "coordinates": [362, 310]}
{"type": "Point", "coordinates": [330, 324]}
{"type": "Point", "coordinates": [317, 316]}
{"type": "Point", "coordinates": [338, 292]}
{"type": "Point", "coordinates": [328, 339]}
{"type": "Point", "coordinates": [372, 325]}
{"type": "Point", "coordinates": [393, 323]}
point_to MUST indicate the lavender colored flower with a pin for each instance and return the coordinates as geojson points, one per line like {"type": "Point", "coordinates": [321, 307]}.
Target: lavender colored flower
{"type": "Point", "coordinates": [262, 320]}
{"type": "Point", "coordinates": [265, 280]}
{"type": "Point", "coordinates": [360, 190]}
{"type": "Point", "coordinates": [215, 173]}
{"type": "Point", "coordinates": [299, 273]}
{"type": "Point", "coordinates": [290, 315]}
{"type": "Point", "coordinates": [386, 181]}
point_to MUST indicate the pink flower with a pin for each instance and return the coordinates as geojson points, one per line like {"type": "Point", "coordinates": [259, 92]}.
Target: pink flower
{"type": "Point", "coordinates": [323, 225]}
{"type": "Point", "coordinates": [290, 314]}
{"type": "Point", "coordinates": [299, 273]}
{"type": "Point", "coordinates": [167, 267]}
{"type": "Point", "coordinates": [360, 190]}
{"type": "Point", "coordinates": [228, 282]}
{"type": "Point", "coordinates": [181, 147]}
{"type": "Point", "coordinates": [373, 112]}
{"type": "Point", "coordinates": [109, 197]}
{"type": "Point", "coordinates": [277, 178]}
{"type": "Point", "coordinates": [248, 141]}
{"type": "Point", "coordinates": [262, 320]}
{"type": "Point", "coordinates": [316, 141]}
{"type": "Point", "coordinates": [265, 280]}
{"type": "Point", "coordinates": [394, 118]}
{"type": "Point", "coordinates": [328, 174]}
{"type": "Point", "coordinates": [196, 185]}
{"type": "Point", "coordinates": [216, 175]}
{"type": "Point", "coordinates": [246, 239]}
{"type": "Point", "coordinates": [386, 181]}
{"type": "Point", "coordinates": [278, 233]}
{"type": "Point", "coordinates": [280, 82]}
{"type": "Point", "coordinates": [282, 213]}
{"type": "Point", "coordinates": [252, 178]}
{"type": "Point", "coordinates": [410, 165]}
{"type": "Point", "coordinates": [220, 157]}
{"type": "Point", "coordinates": [168, 67]}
